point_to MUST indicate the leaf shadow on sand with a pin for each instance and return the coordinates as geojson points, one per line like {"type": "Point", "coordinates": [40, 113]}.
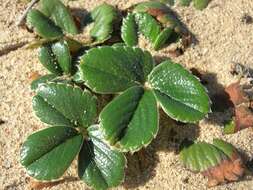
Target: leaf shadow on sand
{"type": "Point", "coordinates": [221, 104]}
{"type": "Point", "coordinates": [141, 166]}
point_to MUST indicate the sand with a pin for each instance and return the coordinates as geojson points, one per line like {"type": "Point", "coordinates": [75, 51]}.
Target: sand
{"type": "Point", "coordinates": [223, 40]}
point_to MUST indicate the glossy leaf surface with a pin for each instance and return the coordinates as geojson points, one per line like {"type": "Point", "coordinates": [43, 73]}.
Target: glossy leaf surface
{"type": "Point", "coordinates": [98, 165]}
{"type": "Point", "coordinates": [42, 25]}
{"type": "Point", "coordinates": [62, 104]}
{"type": "Point", "coordinates": [179, 93]}
{"type": "Point", "coordinates": [48, 60]}
{"type": "Point", "coordinates": [148, 26]}
{"type": "Point", "coordinates": [60, 14]}
{"type": "Point", "coordinates": [47, 154]}
{"type": "Point", "coordinates": [62, 54]}
{"type": "Point", "coordinates": [130, 121]}
{"type": "Point", "coordinates": [113, 69]}
{"type": "Point", "coordinates": [129, 32]}
{"type": "Point", "coordinates": [103, 16]}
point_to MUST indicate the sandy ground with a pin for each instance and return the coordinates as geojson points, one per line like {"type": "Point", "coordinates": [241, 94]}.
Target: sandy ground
{"type": "Point", "coordinates": [223, 40]}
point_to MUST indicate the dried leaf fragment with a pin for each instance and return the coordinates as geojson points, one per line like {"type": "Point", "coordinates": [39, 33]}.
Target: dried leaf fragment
{"type": "Point", "coordinates": [243, 114]}
{"type": "Point", "coordinates": [236, 93]}
{"type": "Point", "coordinates": [219, 162]}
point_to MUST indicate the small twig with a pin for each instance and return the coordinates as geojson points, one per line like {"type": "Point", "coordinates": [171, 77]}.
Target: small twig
{"type": "Point", "coordinates": [21, 20]}
{"type": "Point", "coordinates": [12, 47]}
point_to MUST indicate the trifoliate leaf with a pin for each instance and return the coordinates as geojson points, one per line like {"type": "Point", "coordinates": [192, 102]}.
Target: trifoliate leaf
{"type": "Point", "coordinates": [43, 79]}
{"type": "Point", "coordinates": [62, 104]}
{"type": "Point", "coordinates": [47, 154]}
{"type": "Point", "coordinates": [200, 4]}
{"type": "Point", "coordinates": [98, 165]}
{"type": "Point", "coordinates": [180, 94]}
{"type": "Point", "coordinates": [130, 121]}
{"type": "Point", "coordinates": [104, 17]}
{"type": "Point", "coordinates": [114, 69]}
{"type": "Point", "coordinates": [129, 32]}
{"type": "Point", "coordinates": [60, 14]}
{"type": "Point", "coordinates": [42, 25]}
{"type": "Point", "coordinates": [48, 60]}
{"type": "Point", "coordinates": [62, 53]}
{"type": "Point", "coordinates": [148, 26]}
{"type": "Point", "coordinates": [219, 162]}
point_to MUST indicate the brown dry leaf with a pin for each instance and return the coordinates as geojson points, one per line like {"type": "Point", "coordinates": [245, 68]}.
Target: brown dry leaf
{"type": "Point", "coordinates": [236, 94]}
{"type": "Point", "coordinates": [227, 171]}
{"type": "Point", "coordinates": [243, 118]}
{"type": "Point", "coordinates": [158, 14]}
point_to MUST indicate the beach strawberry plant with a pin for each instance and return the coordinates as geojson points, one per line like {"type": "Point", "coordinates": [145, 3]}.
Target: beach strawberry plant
{"type": "Point", "coordinates": [69, 97]}
{"type": "Point", "coordinates": [130, 121]}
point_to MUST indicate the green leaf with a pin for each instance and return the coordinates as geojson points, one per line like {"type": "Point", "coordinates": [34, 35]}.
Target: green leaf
{"type": "Point", "coordinates": [74, 45]}
{"type": "Point", "coordinates": [200, 4]}
{"type": "Point", "coordinates": [55, 101]}
{"type": "Point", "coordinates": [42, 25]}
{"type": "Point", "coordinates": [130, 121]}
{"type": "Point", "coordinates": [201, 156]}
{"type": "Point", "coordinates": [162, 13]}
{"type": "Point", "coordinates": [162, 38]}
{"type": "Point", "coordinates": [230, 127]}
{"type": "Point", "coordinates": [103, 16]}
{"type": "Point", "coordinates": [143, 7]}
{"type": "Point", "coordinates": [225, 147]}
{"type": "Point", "coordinates": [48, 60]}
{"type": "Point", "coordinates": [43, 79]}
{"type": "Point", "coordinates": [48, 114]}
{"type": "Point", "coordinates": [148, 26]}
{"type": "Point", "coordinates": [113, 69]}
{"type": "Point", "coordinates": [129, 30]}
{"type": "Point", "coordinates": [62, 54]}
{"type": "Point", "coordinates": [60, 14]}
{"type": "Point", "coordinates": [170, 2]}
{"type": "Point", "coordinates": [185, 2]}
{"type": "Point", "coordinates": [98, 165]}
{"type": "Point", "coordinates": [180, 94]}
{"type": "Point", "coordinates": [47, 154]}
